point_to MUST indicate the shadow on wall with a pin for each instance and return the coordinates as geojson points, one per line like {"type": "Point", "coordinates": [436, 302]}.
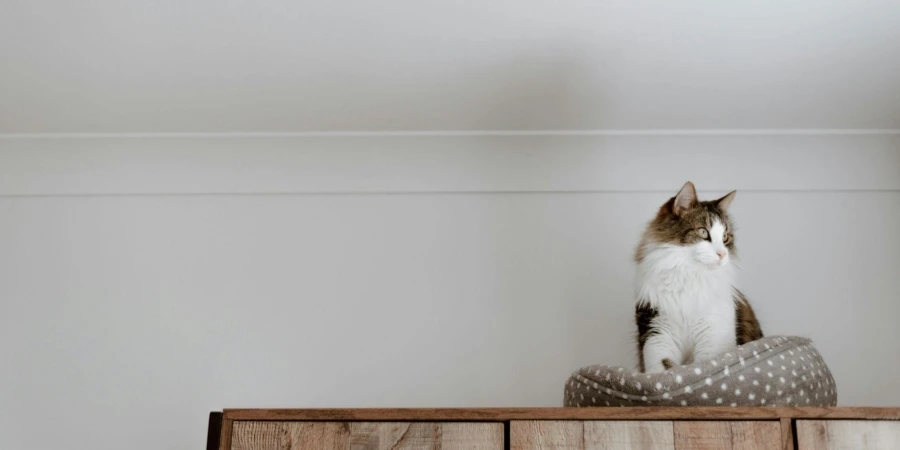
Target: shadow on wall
{"type": "Point", "coordinates": [529, 93]}
{"type": "Point", "coordinates": [569, 299]}
{"type": "Point", "coordinates": [590, 311]}
{"type": "Point", "coordinates": [547, 89]}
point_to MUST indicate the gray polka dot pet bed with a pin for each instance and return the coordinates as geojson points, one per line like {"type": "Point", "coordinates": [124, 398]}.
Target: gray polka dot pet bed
{"type": "Point", "coordinates": [773, 371]}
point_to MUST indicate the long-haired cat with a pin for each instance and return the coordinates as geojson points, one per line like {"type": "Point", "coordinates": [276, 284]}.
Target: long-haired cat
{"type": "Point", "coordinates": [688, 309]}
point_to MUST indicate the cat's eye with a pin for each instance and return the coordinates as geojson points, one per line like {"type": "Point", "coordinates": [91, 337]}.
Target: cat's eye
{"type": "Point", "coordinates": [726, 237]}
{"type": "Point", "coordinates": [703, 232]}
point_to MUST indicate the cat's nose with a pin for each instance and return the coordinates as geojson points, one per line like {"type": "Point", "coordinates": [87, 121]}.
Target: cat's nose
{"type": "Point", "coordinates": [721, 254]}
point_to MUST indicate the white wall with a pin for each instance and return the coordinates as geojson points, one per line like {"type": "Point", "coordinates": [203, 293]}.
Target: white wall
{"type": "Point", "coordinates": [314, 65]}
{"type": "Point", "coordinates": [308, 204]}
{"type": "Point", "coordinates": [148, 281]}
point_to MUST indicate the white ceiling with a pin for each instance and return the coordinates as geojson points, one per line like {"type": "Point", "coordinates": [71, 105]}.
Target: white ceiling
{"type": "Point", "coordinates": [318, 65]}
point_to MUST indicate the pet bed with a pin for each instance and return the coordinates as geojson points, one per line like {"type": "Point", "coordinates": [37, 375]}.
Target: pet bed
{"type": "Point", "coordinates": [773, 371]}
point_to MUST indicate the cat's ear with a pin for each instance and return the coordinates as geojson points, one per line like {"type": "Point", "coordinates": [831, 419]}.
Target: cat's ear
{"type": "Point", "coordinates": [723, 202]}
{"type": "Point", "coordinates": [685, 199]}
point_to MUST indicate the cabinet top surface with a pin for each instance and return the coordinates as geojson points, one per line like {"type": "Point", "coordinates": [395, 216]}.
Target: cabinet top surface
{"type": "Point", "coordinates": [598, 413]}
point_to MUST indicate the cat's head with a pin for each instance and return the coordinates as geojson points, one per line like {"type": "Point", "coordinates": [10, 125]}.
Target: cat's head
{"type": "Point", "coordinates": [702, 230]}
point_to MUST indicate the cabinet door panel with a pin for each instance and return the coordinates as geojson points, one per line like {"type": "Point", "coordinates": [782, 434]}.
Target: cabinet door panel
{"type": "Point", "coordinates": [290, 436]}
{"type": "Point", "coordinates": [645, 435]}
{"type": "Point", "coordinates": [591, 435]}
{"type": "Point", "coordinates": [549, 434]}
{"type": "Point", "coordinates": [425, 435]}
{"type": "Point", "coordinates": [735, 435]}
{"type": "Point", "coordinates": [253, 435]}
{"type": "Point", "coordinates": [848, 434]}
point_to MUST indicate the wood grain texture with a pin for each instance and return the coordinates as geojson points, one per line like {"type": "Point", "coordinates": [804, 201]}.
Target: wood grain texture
{"type": "Point", "coordinates": [702, 435]}
{"type": "Point", "coordinates": [759, 435]}
{"type": "Point", "coordinates": [540, 434]}
{"type": "Point", "coordinates": [590, 435]}
{"type": "Point", "coordinates": [812, 434]}
{"type": "Point", "coordinates": [472, 436]}
{"type": "Point", "coordinates": [503, 414]}
{"type": "Point", "coordinates": [290, 436]}
{"type": "Point", "coordinates": [848, 434]}
{"type": "Point", "coordinates": [787, 434]}
{"type": "Point", "coordinates": [225, 434]}
{"type": "Point", "coordinates": [738, 435]}
{"type": "Point", "coordinates": [394, 435]}
{"type": "Point", "coordinates": [260, 435]}
{"type": "Point", "coordinates": [635, 435]}
{"type": "Point", "coordinates": [425, 435]}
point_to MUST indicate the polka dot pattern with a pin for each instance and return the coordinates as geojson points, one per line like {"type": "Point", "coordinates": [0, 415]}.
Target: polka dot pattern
{"type": "Point", "coordinates": [741, 378]}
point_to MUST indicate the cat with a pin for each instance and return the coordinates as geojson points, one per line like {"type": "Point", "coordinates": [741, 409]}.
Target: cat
{"type": "Point", "coordinates": [688, 309]}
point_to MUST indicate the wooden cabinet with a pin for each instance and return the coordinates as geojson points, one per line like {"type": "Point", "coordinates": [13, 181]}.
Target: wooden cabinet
{"type": "Point", "coordinates": [556, 428]}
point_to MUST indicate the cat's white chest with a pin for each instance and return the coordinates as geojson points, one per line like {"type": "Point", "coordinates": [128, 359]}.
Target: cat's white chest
{"type": "Point", "coordinates": [695, 306]}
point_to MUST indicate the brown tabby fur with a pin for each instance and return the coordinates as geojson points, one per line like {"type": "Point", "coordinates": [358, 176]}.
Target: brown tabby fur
{"type": "Point", "coordinates": [677, 224]}
{"type": "Point", "coordinates": [747, 328]}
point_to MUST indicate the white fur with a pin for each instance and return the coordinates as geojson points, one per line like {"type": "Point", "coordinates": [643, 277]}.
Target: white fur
{"type": "Point", "coordinates": [692, 290]}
